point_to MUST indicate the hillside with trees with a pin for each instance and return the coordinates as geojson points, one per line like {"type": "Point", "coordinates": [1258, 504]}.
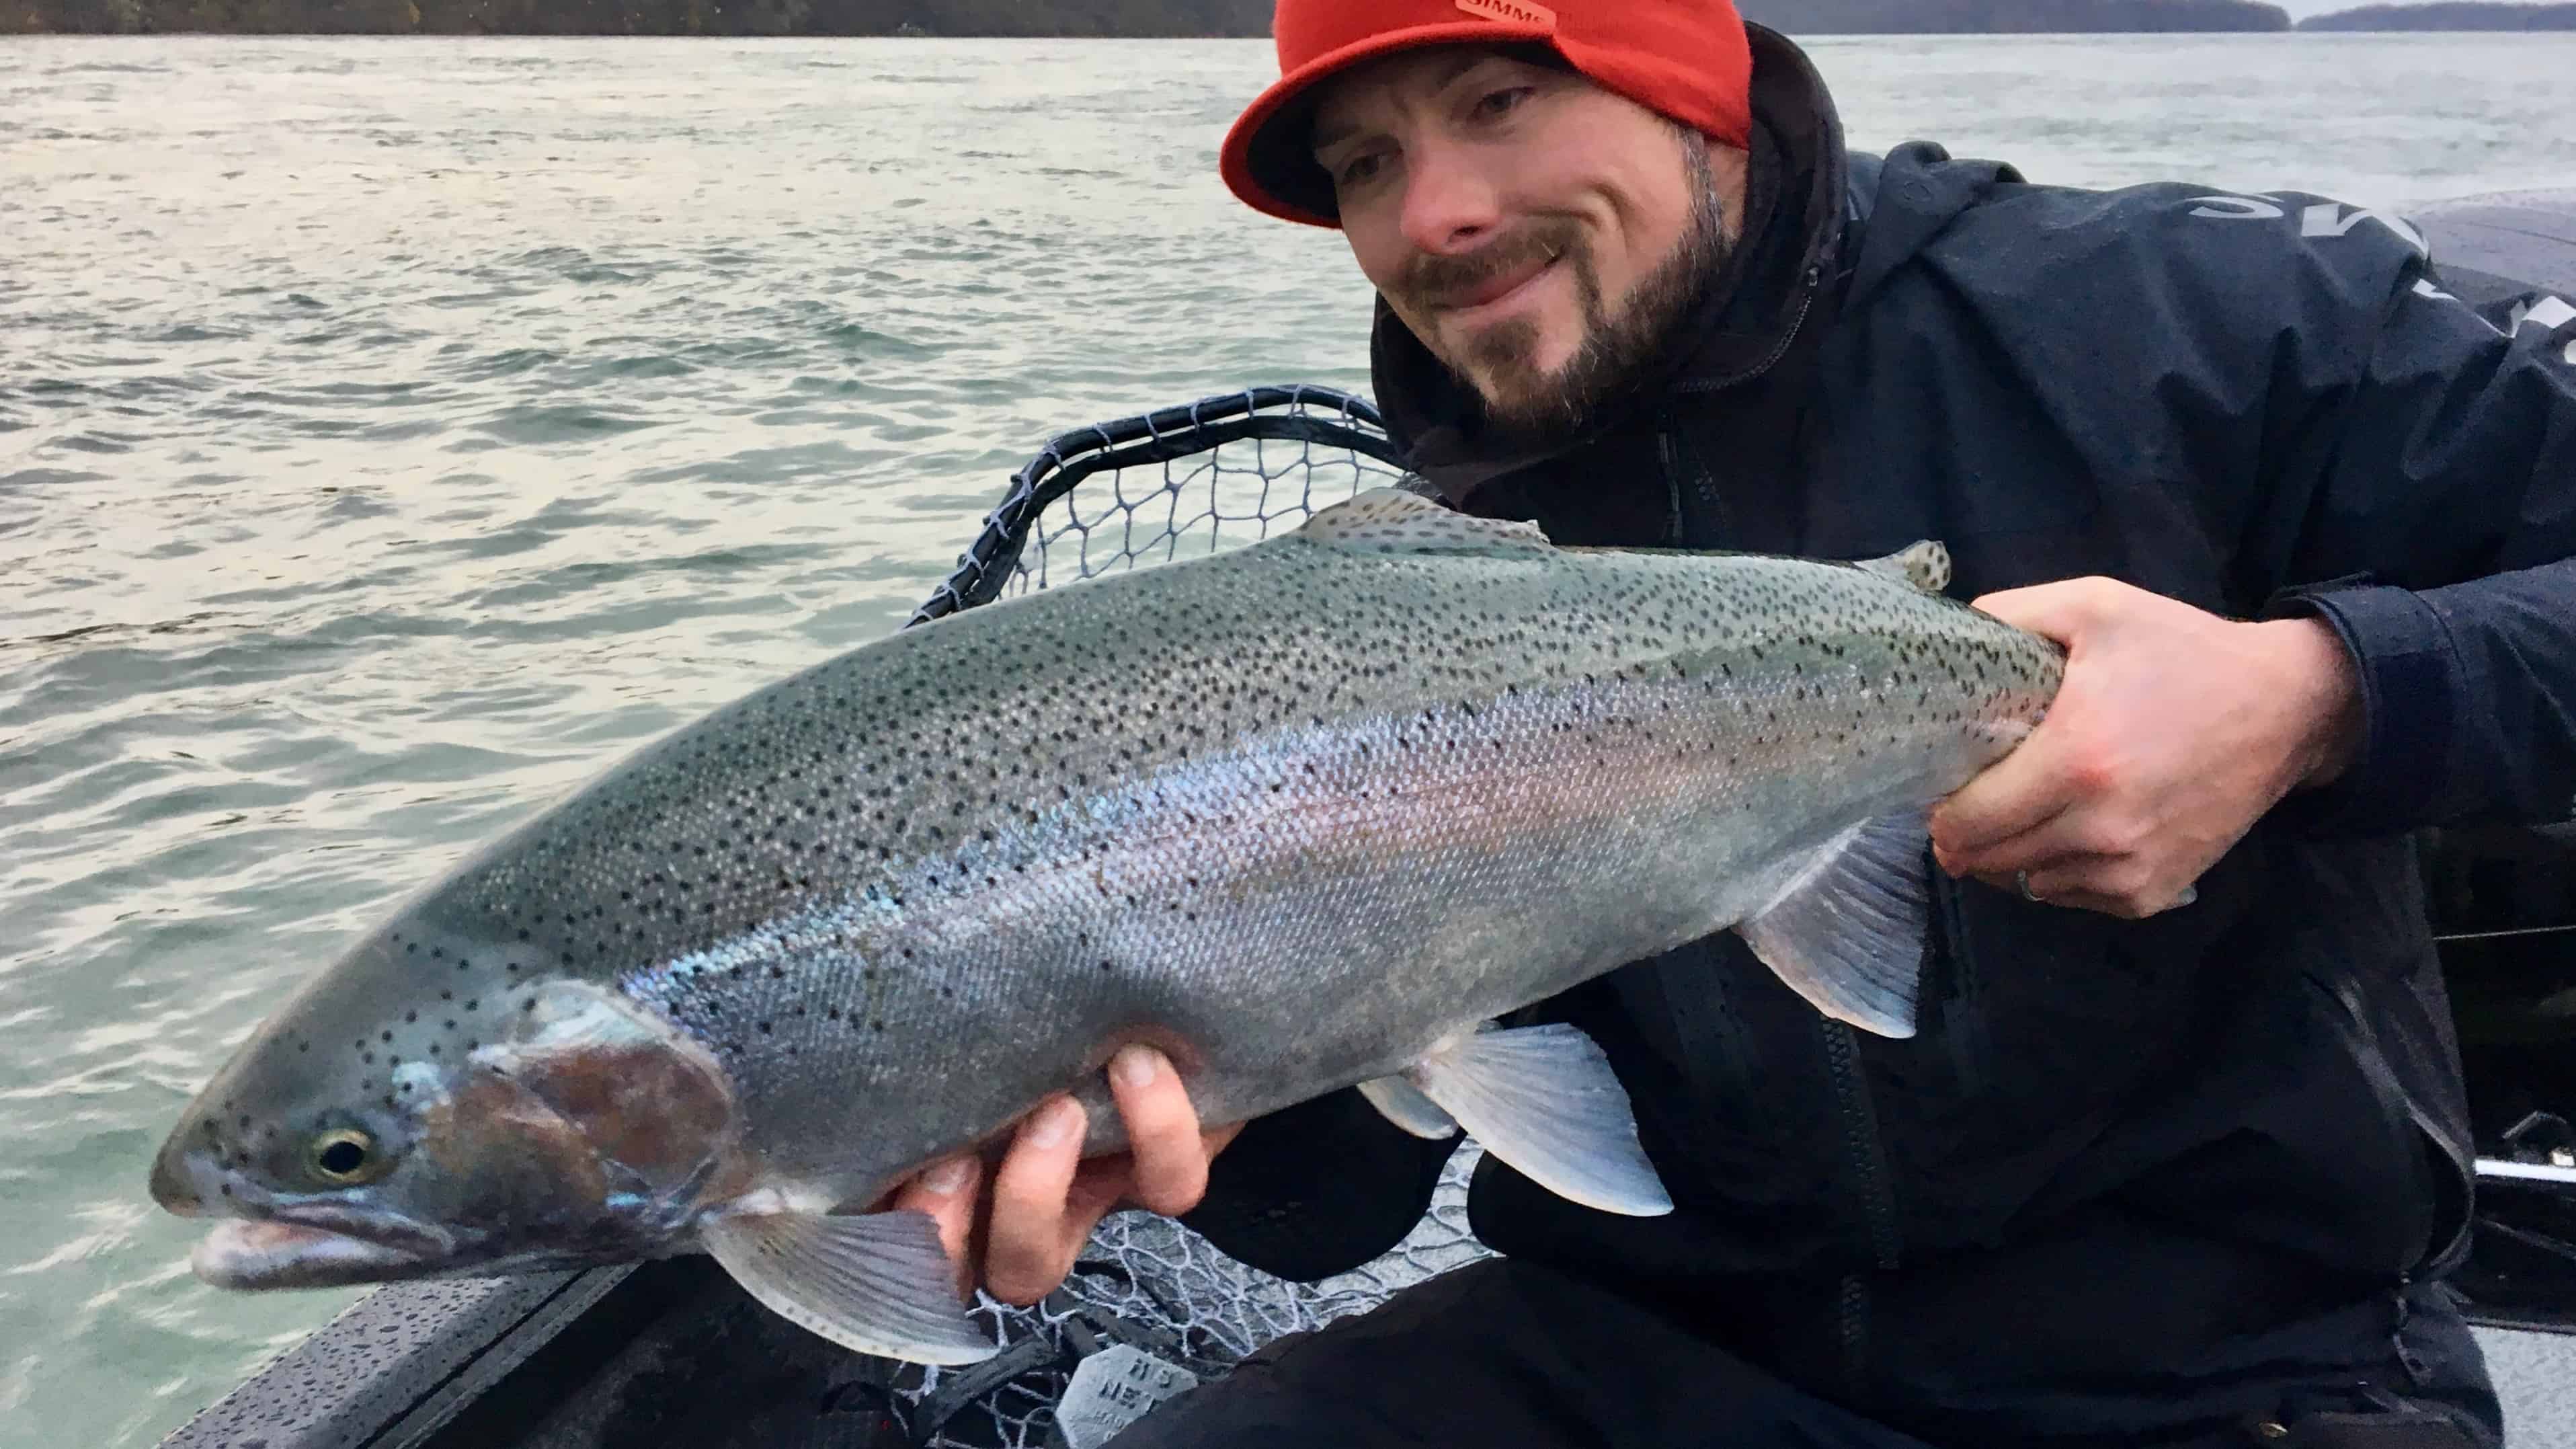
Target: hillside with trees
{"type": "Point", "coordinates": [645, 17]}
{"type": "Point", "coordinates": [1960, 17]}
{"type": "Point", "coordinates": [2460, 15]}
{"type": "Point", "coordinates": [1022, 17]}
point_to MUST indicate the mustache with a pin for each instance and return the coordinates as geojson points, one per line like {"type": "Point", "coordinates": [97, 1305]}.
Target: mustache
{"type": "Point", "coordinates": [1428, 281]}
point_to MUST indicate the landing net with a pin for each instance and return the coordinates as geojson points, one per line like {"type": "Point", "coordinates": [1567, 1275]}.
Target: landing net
{"type": "Point", "coordinates": [1180, 483]}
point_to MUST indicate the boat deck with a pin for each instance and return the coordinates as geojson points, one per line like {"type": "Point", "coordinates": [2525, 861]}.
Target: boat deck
{"type": "Point", "coordinates": [2535, 1373]}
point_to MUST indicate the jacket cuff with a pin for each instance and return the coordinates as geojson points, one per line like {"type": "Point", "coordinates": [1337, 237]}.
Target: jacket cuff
{"type": "Point", "coordinates": [2411, 683]}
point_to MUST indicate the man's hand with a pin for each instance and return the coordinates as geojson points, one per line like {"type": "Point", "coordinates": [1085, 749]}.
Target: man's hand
{"type": "Point", "coordinates": [1045, 1200]}
{"type": "Point", "coordinates": [2174, 731]}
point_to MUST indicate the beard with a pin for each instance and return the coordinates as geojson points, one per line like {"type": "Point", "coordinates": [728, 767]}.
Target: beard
{"type": "Point", "coordinates": [1499, 365]}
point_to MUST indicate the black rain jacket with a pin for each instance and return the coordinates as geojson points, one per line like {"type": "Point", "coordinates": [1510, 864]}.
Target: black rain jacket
{"type": "Point", "coordinates": [2131, 1179]}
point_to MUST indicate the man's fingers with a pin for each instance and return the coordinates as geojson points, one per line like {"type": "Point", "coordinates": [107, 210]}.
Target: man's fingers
{"type": "Point", "coordinates": [2017, 794]}
{"type": "Point", "coordinates": [2055, 611]}
{"type": "Point", "coordinates": [2080, 835]}
{"type": "Point", "coordinates": [2108, 884]}
{"type": "Point", "coordinates": [1026, 1252]}
{"type": "Point", "coordinates": [1170, 1161]}
{"type": "Point", "coordinates": [2036, 782]}
{"type": "Point", "coordinates": [2060, 881]}
{"type": "Point", "coordinates": [945, 1191]}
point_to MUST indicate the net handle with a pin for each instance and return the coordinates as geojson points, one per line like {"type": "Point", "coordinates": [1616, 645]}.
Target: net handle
{"type": "Point", "coordinates": [1155, 437]}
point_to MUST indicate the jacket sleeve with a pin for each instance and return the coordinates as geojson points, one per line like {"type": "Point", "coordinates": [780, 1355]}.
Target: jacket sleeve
{"type": "Point", "coordinates": [1318, 1188]}
{"type": "Point", "coordinates": [2436, 534]}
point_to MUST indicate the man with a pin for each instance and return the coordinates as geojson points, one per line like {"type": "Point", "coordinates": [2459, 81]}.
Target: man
{"type": "Point", "coordinates": [2179, 1156]}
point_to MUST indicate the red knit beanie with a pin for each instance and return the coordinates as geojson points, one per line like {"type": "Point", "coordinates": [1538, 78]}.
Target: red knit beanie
{"type": "Point", "coordinates": [1687, 59]}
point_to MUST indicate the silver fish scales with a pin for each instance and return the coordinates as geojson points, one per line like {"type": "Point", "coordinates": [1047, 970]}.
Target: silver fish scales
{"type": "Point", "coordinates": [1304, 815]}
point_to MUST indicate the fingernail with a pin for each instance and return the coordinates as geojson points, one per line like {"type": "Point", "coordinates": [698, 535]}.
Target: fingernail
{"type": "Point", "coordinates": [1056, 1123]}
{"type": "Point", "coordinates": [948, 1176]}
{"type": "Point", "coordinates": [1133, 1066]}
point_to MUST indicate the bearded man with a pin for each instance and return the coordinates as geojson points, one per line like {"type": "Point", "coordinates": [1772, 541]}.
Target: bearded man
{"type": "Point", "coordinates": [2180, 1154]}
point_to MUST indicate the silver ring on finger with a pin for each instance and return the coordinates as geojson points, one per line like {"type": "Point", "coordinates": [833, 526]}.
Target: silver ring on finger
{"type": "Point", "coordinates": [2021, 882]}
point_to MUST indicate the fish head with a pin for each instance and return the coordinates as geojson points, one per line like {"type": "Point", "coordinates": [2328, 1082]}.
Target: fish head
{"type": "Point", "coordinates": [556, 1125]}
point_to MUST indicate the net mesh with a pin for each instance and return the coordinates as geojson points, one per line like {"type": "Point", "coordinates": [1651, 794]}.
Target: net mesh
{"type": "Point", "coordinates": [1181, 483]}
{"type": "Point", "coordinates": [1149, 1281]}
{"type": "Point", "coordinates": [1177, 484]}
{"type": "Point", "coordinates": [1235, 494]}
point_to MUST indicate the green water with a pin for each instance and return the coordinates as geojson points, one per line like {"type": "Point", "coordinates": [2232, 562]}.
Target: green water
{"type": "Point", "coordinates": [394, 432]}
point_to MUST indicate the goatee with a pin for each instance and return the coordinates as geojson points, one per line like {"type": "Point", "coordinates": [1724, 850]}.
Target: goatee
{"type": "Point", "coordinates": [1521, 402]}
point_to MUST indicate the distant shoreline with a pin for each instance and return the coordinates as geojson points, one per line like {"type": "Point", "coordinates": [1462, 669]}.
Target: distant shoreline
{"type": "Point", "coordinates": [1184, 19]}
{"type": "Point", "coordinates": [2448, 15]}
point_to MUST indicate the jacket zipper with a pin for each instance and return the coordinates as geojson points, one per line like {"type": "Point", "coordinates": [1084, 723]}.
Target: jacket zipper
{"type": "Point", "coordinates": [2459, 1161]}
{"type": "Point", "coordinates": [1866, 1158]}
{"type": "Point", "coordinates": [1806, 302]}
{"type": "Point", "coordinates": [1668, 452]}
{"type": "Point", "coordinates": [1679, 465]}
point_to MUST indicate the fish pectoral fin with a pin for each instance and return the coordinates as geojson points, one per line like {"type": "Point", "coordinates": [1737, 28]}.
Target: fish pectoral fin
{"type": "Point", "coordinates": [1391, 520]}
{"type": "Point", "coordinates": [1543, 1098]}
{"type": "Point", "coordinates": [1848, 933]}
{"type": "Point", "coordinates": [879, 1284]}
{"type": "Point", "coordinates": [1403, 1104]}
{"type": "Point", "coordinates": [1923, 563]}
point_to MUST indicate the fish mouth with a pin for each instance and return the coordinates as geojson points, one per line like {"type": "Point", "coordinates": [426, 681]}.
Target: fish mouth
{"type": "Point", "coordinates": [286, 1253]}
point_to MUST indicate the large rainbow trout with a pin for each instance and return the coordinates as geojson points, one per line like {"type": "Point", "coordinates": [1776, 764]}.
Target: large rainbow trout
{"type": "Point", "coordinates": [1304, 815]}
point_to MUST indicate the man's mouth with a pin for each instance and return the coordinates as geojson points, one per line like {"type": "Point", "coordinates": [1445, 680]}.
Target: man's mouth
{"type": "Point", "coordinates": [1498, 288]}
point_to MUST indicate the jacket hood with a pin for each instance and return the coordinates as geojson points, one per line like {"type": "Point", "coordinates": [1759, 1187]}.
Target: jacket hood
{"type": "Point", "coordinates": [1792, 236]}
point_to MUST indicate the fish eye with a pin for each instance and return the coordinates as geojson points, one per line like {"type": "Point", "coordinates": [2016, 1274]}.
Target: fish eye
{"type": "Point", "coordinates": [347, 1155]}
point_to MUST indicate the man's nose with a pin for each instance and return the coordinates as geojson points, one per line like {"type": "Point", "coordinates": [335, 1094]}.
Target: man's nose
{"type": "Point", "coordinates": [1450, 206]}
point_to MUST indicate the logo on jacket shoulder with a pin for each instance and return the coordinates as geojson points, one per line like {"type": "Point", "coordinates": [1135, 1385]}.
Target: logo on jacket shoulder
{"type": "Point", "coordinates": [2334, 219]}
{"type": "Point", "coordinates": [2323, 218]}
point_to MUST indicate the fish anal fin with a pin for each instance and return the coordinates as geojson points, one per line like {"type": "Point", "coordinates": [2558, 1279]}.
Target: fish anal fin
{"type": "Point", "coordinates": [1848, 932]}
{"type": "Point", "coordinates": [879, 1284]}
{"type": "Point", "coordinates": [1543, 1099]}
{"type": "Point", "coordinates": [1403, 1104]}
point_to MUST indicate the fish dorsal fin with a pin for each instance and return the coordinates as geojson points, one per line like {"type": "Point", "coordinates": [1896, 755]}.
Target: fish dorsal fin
{"type": "Point", "coordinates": [1923, 563]}
{"type": "Point", "coordinates": [1390, 520]}
{"type": "Point", "coordinates": [879, 1283]}
{"type": "Point", "coordinates": [1847, 933]}
{"type": "Point", "coordinates": [1543, 1098]}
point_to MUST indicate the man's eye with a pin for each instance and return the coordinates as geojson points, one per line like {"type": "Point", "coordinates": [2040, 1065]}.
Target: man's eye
{"type": "Point", "coordinates": [1359, 168]}
{"type": "Point", "coordinates": [1495, 103]}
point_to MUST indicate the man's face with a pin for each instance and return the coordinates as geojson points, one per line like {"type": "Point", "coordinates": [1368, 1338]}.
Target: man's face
{"type": "Point", "coordinates": [1538, 234]}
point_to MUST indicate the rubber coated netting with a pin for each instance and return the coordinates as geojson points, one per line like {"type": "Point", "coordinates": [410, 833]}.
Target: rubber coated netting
{"type": "Point", "coordinates": [1176, 484]}
{"type": "Point", "coordinates": [1148, 1282]}
{"type": "Point", "coordinates": [1180, 483]}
